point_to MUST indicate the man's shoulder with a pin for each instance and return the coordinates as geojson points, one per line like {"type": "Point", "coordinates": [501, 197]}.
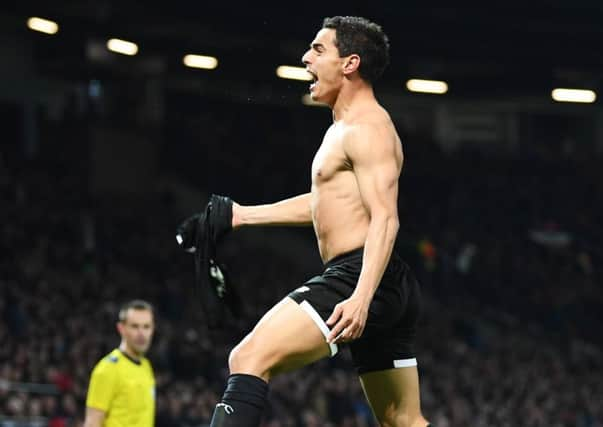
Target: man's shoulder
{"type": "Point", "coordinates": [372, 114]}
{"type": "Point", "coordinates": [148, 368]}
{"type": "Point", "coordinates": [370, 130]}
{"type": "Point", "coordinates": [371, 119]}
{"type": "Point", "coordinates": [109, 360]}
{"type": "Point", "coordinates": [114, 357]}
{"type": "Point", "coordinates": [147, 363]}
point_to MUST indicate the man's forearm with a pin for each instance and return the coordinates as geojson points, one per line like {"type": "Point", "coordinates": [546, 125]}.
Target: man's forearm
{"type": "Point", "coordinates": [293, 211]}
{"type": "Point", "coordinates": [378, 248]}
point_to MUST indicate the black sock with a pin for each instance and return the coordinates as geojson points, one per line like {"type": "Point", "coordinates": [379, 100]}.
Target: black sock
{"type": "Point", "coordinates": [243, 402]}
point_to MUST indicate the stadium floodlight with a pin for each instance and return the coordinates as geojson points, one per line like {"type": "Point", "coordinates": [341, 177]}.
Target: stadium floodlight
{"type": "Point", "coordinates": [427, 86]}
{"type": "Point", "coordinates": [122, 46]}
{"type": "Point", "coordinates": [200, 61]}
{"type": "Point", "coordinates": [574, 95]}
{"type": "Point", "coordinates": [293, 73]}
{"type": "Point", "coordinates": [42, 25]}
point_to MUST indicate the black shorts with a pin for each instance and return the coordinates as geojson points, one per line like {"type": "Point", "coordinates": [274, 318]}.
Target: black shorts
{"type": "Point", "coordinates": [389, 335]}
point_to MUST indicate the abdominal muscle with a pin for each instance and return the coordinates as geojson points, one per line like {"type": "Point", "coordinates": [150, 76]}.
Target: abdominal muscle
{"type": "Point", "coordinates": [340, 219]}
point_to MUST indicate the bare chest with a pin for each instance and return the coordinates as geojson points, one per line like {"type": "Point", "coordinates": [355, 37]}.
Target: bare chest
{"type": "Point", "coordinates": [329, 160]}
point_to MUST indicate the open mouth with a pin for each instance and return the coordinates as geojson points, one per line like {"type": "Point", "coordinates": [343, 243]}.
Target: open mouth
{"type": "Point", "coordinates": [314, 78]}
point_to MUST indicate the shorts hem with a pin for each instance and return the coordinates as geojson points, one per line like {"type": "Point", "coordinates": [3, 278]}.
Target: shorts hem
{"type": "Point", "coordinates": [311, 311]}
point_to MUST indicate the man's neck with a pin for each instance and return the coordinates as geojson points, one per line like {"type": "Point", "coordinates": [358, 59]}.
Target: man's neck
{"type": "Point", "coordinates": [129, 352]}
{"type": "Point", "coordinates": [349, 97]}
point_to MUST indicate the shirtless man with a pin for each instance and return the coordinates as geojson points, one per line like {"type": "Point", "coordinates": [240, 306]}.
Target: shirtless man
{"type": "Point", "coordinates": [366, 296]}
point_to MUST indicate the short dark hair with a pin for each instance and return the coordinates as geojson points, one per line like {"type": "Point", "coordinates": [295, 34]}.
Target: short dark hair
{"type": "Point", "coordinates": [136, 304]}
{"type": "Point", "coordinates": [358, 35]}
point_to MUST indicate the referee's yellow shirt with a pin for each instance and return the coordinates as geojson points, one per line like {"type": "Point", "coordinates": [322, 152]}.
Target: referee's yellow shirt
{"type": "Point", "coordinates": [124, 389]}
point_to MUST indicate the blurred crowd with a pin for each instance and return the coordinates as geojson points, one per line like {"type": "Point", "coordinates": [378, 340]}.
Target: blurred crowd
{"type": "Point", "coordinates": [507, 247]}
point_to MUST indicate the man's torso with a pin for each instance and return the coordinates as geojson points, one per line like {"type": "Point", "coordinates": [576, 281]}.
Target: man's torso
{"type": "Point", "coordinates": [339, 216]}
{"type": "Point", "coordinates": [129, 399]}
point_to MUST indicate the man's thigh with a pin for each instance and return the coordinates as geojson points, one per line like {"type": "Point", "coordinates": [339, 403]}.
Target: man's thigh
{"type": "Point", "coordinates": [393, 393]}
{"type": "Point", "coordinates": [285, 338]}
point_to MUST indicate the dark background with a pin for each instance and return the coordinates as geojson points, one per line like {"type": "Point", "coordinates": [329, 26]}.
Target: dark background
{"type": "Point", "coordinates": [102, 155]}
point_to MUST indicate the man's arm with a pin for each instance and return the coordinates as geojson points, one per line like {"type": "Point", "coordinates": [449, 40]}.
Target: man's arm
{"type": "Point", "coordinates": [101, 391]}
{"type": "Point", "coordinates": [372, 151]}
{"type": "Point", "coordinates": [373, 154]}
{"type": "Point", "coordinates": [94, 417]}
{"type": "Point", "coordinates": [293, 211]}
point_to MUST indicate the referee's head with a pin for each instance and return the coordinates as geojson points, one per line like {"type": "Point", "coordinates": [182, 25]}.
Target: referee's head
{"type": "Point", "coordinates": [136, 327]}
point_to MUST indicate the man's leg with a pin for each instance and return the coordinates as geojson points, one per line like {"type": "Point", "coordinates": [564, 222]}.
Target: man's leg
{"type": "Point", "coordinates": [394, 396]}
{"type": "Point", "coordinates": [286, 338]}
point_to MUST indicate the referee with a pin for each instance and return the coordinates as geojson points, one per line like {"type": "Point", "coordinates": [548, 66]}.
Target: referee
{"type": "Point", "coordinates": [122, 385]}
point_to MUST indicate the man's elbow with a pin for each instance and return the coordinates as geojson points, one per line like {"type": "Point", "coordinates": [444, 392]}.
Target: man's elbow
{"type": "Point", "coordinates": [393, 225]}
{"type": "Point", "coordinates": [389, 222]}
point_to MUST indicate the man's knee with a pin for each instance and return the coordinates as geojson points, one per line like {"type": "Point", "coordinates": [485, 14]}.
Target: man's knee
{"type": "Point", "coordinates": [240, 357]}
{"type": "Point", "coordinates": [253, 358]}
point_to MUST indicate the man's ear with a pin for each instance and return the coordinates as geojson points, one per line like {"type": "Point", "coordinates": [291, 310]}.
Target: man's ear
{"type": "Point", "coordinates": [351, 64]}
{"type": "Point", "coordinates": [120, 327]}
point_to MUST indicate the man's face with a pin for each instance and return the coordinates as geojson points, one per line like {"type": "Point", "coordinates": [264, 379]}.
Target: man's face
{"type": "Point", "coordinates": [137, 330]}
{"type": "Point", "coordinates": [323, 62]}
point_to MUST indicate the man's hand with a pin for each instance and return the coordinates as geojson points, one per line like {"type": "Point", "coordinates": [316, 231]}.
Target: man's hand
{"type": "Point", "coordinates": [186, 233]}
{"type": "Point", "coordinates": [349, 318]}
{"type": "Point", "coordinates": [201, 235]}
{"type": "Point", "coordinates": [215, 222]}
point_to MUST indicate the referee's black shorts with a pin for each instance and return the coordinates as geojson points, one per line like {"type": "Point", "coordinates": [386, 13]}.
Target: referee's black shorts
{"type": "Point", "coordinates": [389, 335]}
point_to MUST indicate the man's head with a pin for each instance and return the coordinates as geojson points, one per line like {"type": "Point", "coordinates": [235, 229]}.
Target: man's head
{"type": "Point", "coordinates": [136, 326]}
{"type": "Point", "coordinates": [344, 47]}
{"type": "Point", "coordinates": [355, 35]}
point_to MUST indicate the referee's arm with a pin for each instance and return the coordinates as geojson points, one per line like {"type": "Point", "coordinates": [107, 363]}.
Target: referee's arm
{"type": "Point", "coordinates": [100, 392]}
{"type": "Point", "coordinates": [94, 417]}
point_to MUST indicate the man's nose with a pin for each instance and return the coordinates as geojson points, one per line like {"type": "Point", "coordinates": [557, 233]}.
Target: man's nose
{"type": "Point", "coordinates": [306, 58]}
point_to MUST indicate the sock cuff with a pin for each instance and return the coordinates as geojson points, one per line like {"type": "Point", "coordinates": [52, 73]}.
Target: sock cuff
{"type": "Point", "coordinates": [246, 388]}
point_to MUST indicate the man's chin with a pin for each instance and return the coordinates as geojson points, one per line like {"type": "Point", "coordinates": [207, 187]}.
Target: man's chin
{"type": "Point", "coordinates": [141, 350]}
